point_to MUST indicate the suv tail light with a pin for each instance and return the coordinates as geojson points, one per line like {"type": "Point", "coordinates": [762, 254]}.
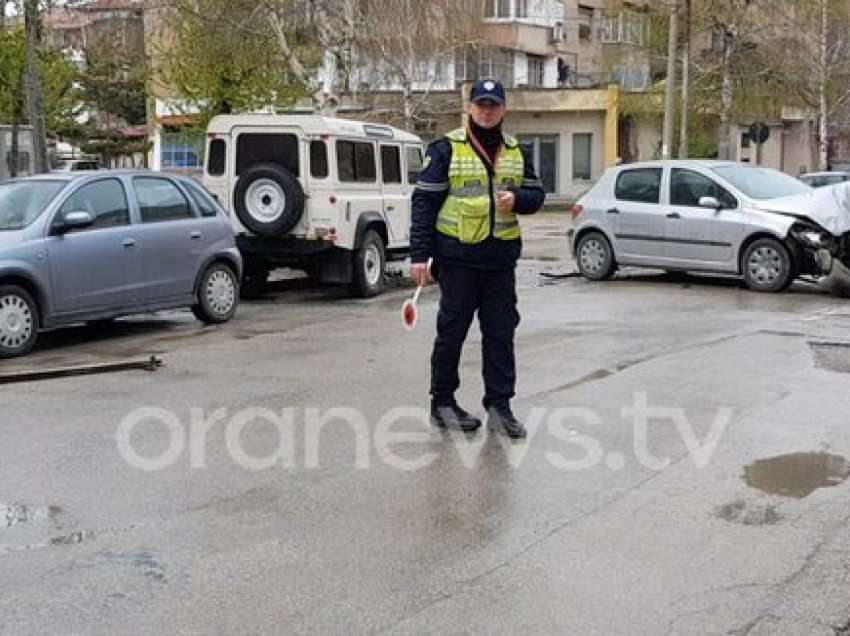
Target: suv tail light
{"type": "Point", "coordinates": [577, 210]}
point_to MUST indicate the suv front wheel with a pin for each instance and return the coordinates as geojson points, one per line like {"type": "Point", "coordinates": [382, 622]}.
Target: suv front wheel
{"type": "Point", "coordinates": [369, 264]}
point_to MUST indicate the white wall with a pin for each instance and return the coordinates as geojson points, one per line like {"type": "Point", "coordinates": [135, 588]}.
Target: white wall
{"type": "Point", "coordinates": [564, 125]}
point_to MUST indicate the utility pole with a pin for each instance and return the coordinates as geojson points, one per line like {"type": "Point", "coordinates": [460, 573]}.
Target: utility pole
{"type": "Point", "coordinates": [32, 81]}
{"type": "Point", "coordinates": [686, 70]}
{"type": "Point", "coordinates": [670, 84]}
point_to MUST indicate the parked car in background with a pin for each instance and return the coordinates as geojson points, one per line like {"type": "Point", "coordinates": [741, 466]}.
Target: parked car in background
{"type": "Point", "coordinates": [710, 216]}
{"type": "Point", "coordinates": [94, 246]}
{"type": "Point", "coordinates": [329, 196]}
{"type": "Point", "coordinates": [76, 165]}
{"type": "Point", "coordinates": [821, 179]}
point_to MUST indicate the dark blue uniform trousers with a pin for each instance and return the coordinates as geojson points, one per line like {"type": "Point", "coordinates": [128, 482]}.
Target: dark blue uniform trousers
{"type": "Point", "coordinates": [492, 293]}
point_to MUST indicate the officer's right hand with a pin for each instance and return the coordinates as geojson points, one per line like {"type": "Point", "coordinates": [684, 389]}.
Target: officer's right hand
{"type": "Point", "coordinates": [420, 273]}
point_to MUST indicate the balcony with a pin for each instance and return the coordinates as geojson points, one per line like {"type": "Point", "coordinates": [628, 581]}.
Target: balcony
{"type": "Point", "coordinates": [529, 38]}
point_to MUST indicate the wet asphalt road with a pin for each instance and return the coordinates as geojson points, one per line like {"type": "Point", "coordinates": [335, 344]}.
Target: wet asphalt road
{"type": "Point", "coordinates": [596, 524]}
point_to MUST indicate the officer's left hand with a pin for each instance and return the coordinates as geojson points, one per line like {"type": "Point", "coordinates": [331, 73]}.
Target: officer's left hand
{"type": "Point", "coordinates": [505, 202]}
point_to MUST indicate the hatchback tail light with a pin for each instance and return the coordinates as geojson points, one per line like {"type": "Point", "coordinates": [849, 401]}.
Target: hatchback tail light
{"type": "Point", "coordinates": [577, 210]}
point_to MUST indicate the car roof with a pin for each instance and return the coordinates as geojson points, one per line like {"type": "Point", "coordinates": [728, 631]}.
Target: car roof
{"type": "Point", "coordinates": [312, 125]}
{"type": "Point", "coordinates": [685, 163]}
{"type": "Point", "coordinates": [91, 174]}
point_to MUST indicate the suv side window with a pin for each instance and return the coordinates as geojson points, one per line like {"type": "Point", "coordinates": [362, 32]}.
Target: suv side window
{"type": "Point", "coordinates": [642, 185]}
{"type": "Point", "coordinates": [688, 187]}
{"type": "Point", "coordinates": [414, 164]}
{"type": "Point", "coordinates": [160, 200]}
{"type": "Point", "coordinates": [356, 161]}
{"type": "Point", "coordinates": [105, 200]}
{"type": "Point", "coordinates": [318, 159]}
{"type": "Point", "coordinates": [217, 159]}
{"type": "Point", "coordinates": [391, 164]}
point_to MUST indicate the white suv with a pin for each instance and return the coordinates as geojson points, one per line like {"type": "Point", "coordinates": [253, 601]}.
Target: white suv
{"type": "Point", "coordinates": [329, 196]}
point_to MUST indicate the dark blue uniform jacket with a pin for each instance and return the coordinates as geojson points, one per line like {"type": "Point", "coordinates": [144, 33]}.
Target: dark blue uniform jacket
{"type": "Point", "coordinates": [431, 191]}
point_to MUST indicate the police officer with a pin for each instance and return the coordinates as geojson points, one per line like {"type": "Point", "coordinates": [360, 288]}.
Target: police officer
{"type": "Point", "coordinates": [473, 184]}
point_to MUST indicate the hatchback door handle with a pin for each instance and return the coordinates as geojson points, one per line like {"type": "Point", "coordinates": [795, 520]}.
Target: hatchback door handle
{"type": "Point", "coordinates": [195, 236]}
{"type": "Point", "coordinates": [390, 208]}
{"type": "Point", "coordinates": [613, 211]}
{"type": "Point", "coordinates": [129, 242]}
{"type": "Point", "coordinates": [674, 215]}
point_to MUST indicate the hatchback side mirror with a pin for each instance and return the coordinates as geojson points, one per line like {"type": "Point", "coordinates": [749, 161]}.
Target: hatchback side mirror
{"type": "Point", "coordinates": [710, 202]}
{"type": "Point", "coordinates": [74, 220]}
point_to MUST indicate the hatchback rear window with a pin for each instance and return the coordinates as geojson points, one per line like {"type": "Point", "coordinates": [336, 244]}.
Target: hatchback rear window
{"type": "Point", "coordinates": [642, 185]}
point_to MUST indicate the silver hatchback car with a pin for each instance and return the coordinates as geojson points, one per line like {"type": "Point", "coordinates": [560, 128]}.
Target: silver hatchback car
{"type": "Point", "coordinates": [700, 216]}
{"type": "Point", "coordinates": [93, 246]}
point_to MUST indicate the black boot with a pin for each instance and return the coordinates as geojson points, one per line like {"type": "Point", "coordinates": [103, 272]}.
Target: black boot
{"type": "Point", "coordinates": [502, 421]}
{"type": "Point", "coordinates": [453, 417]}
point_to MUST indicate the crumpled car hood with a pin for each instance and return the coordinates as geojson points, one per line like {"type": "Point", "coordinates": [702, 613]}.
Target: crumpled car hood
{"type": "Point", "coordinates": [829, 207]}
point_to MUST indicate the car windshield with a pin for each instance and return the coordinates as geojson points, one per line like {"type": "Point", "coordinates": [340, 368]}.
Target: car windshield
{"type": "Point", "coordinates": [21, 202]}
{"type": "Point", "coordinates": [761, 183]}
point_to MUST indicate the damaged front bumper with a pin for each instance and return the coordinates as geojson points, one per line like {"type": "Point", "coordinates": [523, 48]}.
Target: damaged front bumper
{"type": "Point", "coordinates": [837, 272]}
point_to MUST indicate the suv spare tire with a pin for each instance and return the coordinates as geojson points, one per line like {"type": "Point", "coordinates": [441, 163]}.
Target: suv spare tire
{"type": "Point", "coordinates": [268, 199]}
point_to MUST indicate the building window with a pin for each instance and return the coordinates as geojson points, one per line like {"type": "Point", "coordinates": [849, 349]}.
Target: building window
{"type": "Point", "coordinates": [182, 151]}
{"type": "Point", "coordinates": [497, 64]}
{"type": "Point", "coordinates": [535, 70]}
{"type": "Point", "coordinates": [624, 27]}
{"type": "Point", "coordinates": [585, 23]}
{"type": "Point", "coordinates": [582, 156]}
{"type": "Point", "coordinates": [485, 63]}
{"type": "Point", "coordinates": [521, 8]}
{"type": "Point", "coordinates": [502, 8]}
{"type": "Point", "coordinates": [543, 151]}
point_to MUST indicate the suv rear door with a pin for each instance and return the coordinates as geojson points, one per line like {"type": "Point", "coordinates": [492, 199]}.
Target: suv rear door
{"type": "Point", "coordinates": [396, 194]}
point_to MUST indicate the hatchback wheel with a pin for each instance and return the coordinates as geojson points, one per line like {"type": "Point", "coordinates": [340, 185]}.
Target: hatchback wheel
{"type": "Point", "coordinates": [217, 296]}
{"type": "Point", "coordinates": [767, 266]}
{"type": "Point", "coordinates": [594, 257]}
{"type": "Point", "coordinates": [18, 321]}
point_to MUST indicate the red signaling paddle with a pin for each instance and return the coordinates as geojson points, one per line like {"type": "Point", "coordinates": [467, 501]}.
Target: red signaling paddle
{"type": "Point", "coordinates": [408, 310]}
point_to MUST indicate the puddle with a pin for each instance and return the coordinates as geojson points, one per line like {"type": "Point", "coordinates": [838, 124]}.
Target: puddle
{"type": "Point", "coordinates": [832, 356]}
{"type": "Point", "coordinates": [12, 515]}
{"type": "Point", "coordinates": [749, 514]}
{"type": "Point", "coordinates": [797, 475]}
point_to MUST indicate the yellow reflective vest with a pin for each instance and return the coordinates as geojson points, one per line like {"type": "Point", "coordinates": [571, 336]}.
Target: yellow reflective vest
{"type": "Point", "coordinates": [465, 215]}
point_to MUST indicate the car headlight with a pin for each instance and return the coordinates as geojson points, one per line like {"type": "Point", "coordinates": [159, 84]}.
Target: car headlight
{"type": "Point", "coordinates": [812, 237]}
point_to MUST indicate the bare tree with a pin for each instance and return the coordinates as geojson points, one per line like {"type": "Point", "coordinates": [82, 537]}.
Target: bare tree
{"type": "Point", "coordinates": [817, 73]}
{"type": "Point", "coordinates": [686, 72]}
{"type": "Point", "coordinates": [414, 57]}
{"type": "Point", "coordinates": [670, 82]}
{"type": "Point", "coordinates": [734, 26]}
{"type": "Point", "coordinates": [312, 34]}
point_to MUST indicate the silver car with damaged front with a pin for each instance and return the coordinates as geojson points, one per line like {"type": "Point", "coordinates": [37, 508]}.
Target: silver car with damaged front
{"type": "Point", "coordinates": [712, 216]}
